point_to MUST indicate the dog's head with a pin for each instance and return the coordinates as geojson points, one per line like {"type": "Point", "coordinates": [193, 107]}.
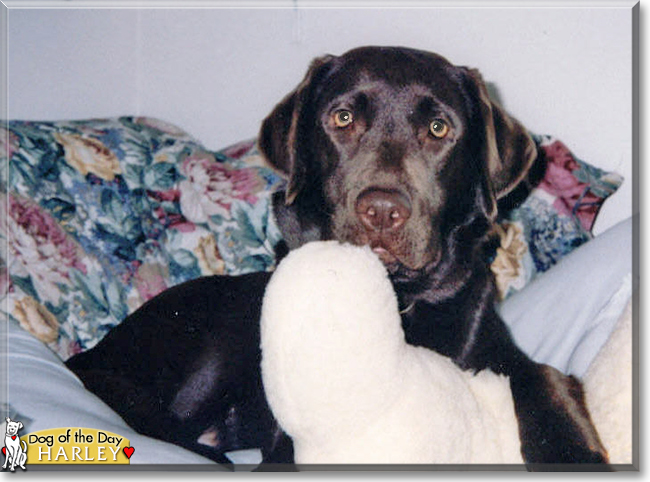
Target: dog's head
{"type": "Point", "coordinates": [394, 148]}
{"type": "Point", "coordinates": [13, 427]}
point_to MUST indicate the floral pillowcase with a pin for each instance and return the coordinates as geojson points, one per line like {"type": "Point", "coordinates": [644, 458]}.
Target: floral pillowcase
{"type": "Point", "coordinates": [102, 215]}
{"type": "Point", "coordinates": [554, 219]}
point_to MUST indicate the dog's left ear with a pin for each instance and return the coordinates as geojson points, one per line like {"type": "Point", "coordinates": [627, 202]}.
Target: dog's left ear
{"type": "Point", "coordinates": [510, 149]}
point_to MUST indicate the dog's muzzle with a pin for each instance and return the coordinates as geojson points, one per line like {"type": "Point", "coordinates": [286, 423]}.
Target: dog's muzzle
{"type": "Point", "coordinates": [383, 214]}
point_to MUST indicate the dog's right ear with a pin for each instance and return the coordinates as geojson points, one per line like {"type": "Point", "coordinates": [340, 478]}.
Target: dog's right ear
{"type": "Point", "coordinates": [282, 131]}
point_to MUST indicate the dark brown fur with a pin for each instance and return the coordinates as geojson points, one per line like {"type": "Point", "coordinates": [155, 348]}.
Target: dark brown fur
{"type": "Point", "coordinates": [442, 198]}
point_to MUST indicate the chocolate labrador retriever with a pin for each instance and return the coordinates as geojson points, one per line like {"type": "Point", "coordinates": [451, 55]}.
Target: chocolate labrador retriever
{"type": "Point", "coordinates": [388, 147]}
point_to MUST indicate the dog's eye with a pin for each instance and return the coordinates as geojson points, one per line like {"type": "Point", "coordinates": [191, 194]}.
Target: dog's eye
{"type": "Point", "coordinates": [343, 118]}
{"type": "Point", "coordinates": [439, 128]}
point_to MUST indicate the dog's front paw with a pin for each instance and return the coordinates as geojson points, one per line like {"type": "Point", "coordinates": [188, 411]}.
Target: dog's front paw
{"type": "Point", "coordinates": [555, 427]}
{"type": "Point", "coordinates": [549, 443]}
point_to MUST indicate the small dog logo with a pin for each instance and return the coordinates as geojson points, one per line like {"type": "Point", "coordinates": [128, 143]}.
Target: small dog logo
{"type": "Point", "coordinates": [15, 454]}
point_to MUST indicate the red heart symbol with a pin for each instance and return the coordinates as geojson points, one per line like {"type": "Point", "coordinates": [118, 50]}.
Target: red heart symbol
{"type": "Point", "coordinates": [13, 437]}
{"type": "Point", "coordinates": [4, 450]}
{"type": "Point", "coordinates": [128, 451]}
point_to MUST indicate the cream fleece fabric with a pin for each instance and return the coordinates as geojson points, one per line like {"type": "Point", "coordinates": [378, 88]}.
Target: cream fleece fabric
{"type": "Point", "coordinates": [344, 384]}
{"type": "Point", "coordinates": [608, 391]}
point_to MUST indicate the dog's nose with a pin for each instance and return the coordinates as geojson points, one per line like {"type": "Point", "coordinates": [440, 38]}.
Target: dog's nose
{"type": "Point", "coordinates": [383, 209]}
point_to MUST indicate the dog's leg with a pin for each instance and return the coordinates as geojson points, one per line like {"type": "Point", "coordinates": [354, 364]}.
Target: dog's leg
{"type": "Point", "coordinates": [23, 457]}
{"type": "Point", "coordinates": [278, 455]}
{"type": "Point", "coordinates": [147, 413]}
{"type": "Point", "coordinates": [555, 427]}
{"type": "Point", "coordinates": [554, 424]}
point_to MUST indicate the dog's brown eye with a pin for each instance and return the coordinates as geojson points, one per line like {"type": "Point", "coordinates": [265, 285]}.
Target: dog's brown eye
{"type": "Point", "coordinates": [439, 128]}
{"type": "Point", "coordinates": [343, 118]}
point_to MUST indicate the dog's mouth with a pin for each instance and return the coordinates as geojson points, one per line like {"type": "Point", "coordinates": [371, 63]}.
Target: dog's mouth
{"type": "Point", "coordinates": [398, 258]}
{"type": "Point", "coordinates": [397, 251]}
{"type": "Point", "coordinates": [384, 253]}
{"type": "Point", "coordinates": [400, 245]}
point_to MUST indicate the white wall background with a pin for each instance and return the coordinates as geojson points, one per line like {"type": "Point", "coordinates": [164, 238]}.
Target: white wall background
{"type": "Point", "coordinates": [217, 72]}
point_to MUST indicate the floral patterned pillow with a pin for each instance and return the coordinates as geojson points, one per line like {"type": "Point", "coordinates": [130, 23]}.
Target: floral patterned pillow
{"type": "Point", "coordinates": [554, 219]}
{"type": "Point", "coordinates": [101, 215]}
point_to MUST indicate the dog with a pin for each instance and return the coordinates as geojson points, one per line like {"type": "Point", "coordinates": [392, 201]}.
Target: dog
{"type": "Point", "coordinates": [389, 147]}
{"type": "Point", "coordinates": [15, 454]}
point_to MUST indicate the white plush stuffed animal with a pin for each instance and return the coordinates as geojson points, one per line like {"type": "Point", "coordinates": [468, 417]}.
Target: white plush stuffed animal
{"type": "Point", "coordinates": [344, 384]}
